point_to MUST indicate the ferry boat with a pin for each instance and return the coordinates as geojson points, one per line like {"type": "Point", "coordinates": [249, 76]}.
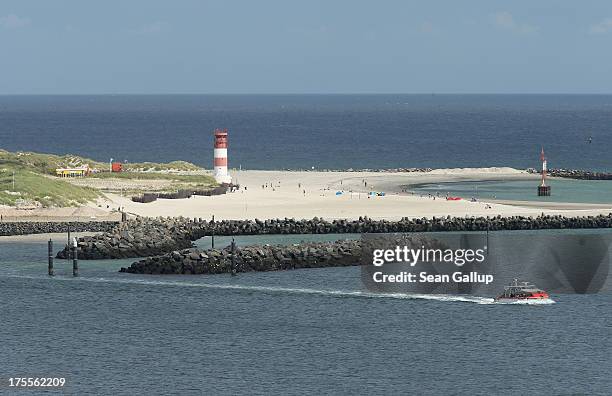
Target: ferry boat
{"type": "Point", "coordinates": [521, 291]}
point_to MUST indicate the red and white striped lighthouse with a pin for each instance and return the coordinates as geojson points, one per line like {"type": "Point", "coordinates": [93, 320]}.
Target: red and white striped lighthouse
{"type": "Point", "coordinates": [220, 162]}
{"type": "Point", "coordinates": [543, 189]}
{"type": "Point", "coordinates": [544, 166]}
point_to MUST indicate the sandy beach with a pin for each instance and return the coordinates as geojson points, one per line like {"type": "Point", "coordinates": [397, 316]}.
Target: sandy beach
{"type": "Point", "coordinates": [95, 211]}
{"type": "Point", "coordinates": [39, 238]}
{"type": "Point", "coordinates": [331, 195]}
{"type": "Point", "coordinates": [279, 194]}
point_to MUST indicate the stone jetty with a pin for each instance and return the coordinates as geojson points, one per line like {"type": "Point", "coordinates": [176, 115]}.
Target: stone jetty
{"type": "Point", "coordinates": [580, 174]}
{"type": "Point", "coordinates": [33, 227]}
{"type": "Point", "coordinates": [139, 237]}
{"type": "Point", "coordinates": [252, 258]}
{"type": "Point", "coordinates": [341, 253]}
{"type": "Point", "coordinates": [144, 237]}
{"type": "Point", "coordinates": [575, 174]}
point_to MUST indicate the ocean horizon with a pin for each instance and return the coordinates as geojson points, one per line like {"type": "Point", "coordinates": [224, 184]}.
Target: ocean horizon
{"type": "Point", "coordinates": [324, 131]}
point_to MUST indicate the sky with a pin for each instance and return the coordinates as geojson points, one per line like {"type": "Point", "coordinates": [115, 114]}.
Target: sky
{"type": "Point", "coordinates": [308, 46]}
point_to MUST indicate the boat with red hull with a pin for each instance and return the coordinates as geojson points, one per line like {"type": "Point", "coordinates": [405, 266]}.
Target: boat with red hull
{"type": "Point", "coordinates": [517, 291]}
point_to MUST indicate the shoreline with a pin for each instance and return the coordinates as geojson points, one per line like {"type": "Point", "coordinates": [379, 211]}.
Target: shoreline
{"type": "Point", "coordinates": [55, 236]}
{"type": "Point", "coordinates": [344, 195]}
{"type": "Point", "coordinates": [267, 194]}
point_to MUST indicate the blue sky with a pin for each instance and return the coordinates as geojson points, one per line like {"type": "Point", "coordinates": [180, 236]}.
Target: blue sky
{"type": "Point", "coordinates": [309, 46]}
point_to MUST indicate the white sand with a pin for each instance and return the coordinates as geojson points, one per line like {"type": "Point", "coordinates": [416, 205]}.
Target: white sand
{"type": "Point", "coordinates": [283, 198]}
{"type": "Point", "coordinates": [58, 238]}
{"type": "Point", "coordinates": [83, 213]}
{"type": "Point", "coordinates": [286, 199]}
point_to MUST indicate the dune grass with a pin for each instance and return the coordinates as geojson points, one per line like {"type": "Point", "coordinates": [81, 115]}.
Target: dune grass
{"type": "Point", "coordinates": [43, 163]}
{"type": "Point", "coordinates": [47, 163]}
{"type": "Point", "coordinates": [156, 167]}
{"type": "Point", "coordinates": [32, 187]}
{"type": "Point", "coordinates": [197, 179]}
{"type": "Point", "coordinates": [35, 179]}
{"type": "Point", "coordinates": [174, 181]}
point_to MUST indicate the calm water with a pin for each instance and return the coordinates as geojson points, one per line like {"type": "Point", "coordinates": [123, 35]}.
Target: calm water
{"type": "Point", "coordinates": [563, 190]}
{"type": "Point", "coordinates": [307, 330]}
{"type": "Point", "coordinates": [286, 332]}
{"type": "Point", "coordinates": [325, 131]}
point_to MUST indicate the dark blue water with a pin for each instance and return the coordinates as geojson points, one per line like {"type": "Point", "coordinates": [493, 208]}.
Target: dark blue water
{"type": "Point", "coordinates": [325, 131]}
{"type": "Point", "coordinates": [290, 332]}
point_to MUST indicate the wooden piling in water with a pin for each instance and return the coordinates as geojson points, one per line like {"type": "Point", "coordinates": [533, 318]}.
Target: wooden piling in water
{"type": "Point", "coordinates": [50, 257]}
{"type": "Point", "coordinates": [75, 259]}
{"type": "Point", "coordinates": [233, 269]}
{"type": "Point", "coordinates": [212, 233]}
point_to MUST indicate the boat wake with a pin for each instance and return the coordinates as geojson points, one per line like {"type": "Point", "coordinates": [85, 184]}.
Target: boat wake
{"type": "Point", "coordinates": [290, 290]}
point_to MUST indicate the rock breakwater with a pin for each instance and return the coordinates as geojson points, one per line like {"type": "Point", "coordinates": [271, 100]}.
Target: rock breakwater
{"type": "Point", "coordinates": [340, 253]}
{"type": "Point", "coordinates": [140, 237]}
{"type": "Point", "coordinates": [143, 237]}
{"type": "Point", "coordinates": [580, 174]}
{"type": "Point", "coordinates": [576, 174]}
{"type": "Point", "coordinates": [252, 258]}
{"type": "Point", "coordinates": [33, 227]}
{"type": "Point", "coordinates": [367, 225]}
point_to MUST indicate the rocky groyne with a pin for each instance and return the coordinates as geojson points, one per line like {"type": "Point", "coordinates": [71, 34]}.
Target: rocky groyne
{"type": "Point", "coordinates": [580, 174]}
{"type": "Point", "coordinates": [576, 174]}
{"type": "Point", "coordinates": [252, 258]}
{"type": "Point", "coordinates": [33, 227]}
{"type": "Point", "coordinates": [144, 237]}
{"type": "Point", "coordinates": [367, 225]}
{"type": "Point", "coordinates": [140, 237]}
{"type": "Point", "coordinates": [340, 253]}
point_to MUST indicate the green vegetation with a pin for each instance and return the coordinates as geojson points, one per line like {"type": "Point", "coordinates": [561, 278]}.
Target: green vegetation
{"type": "Point", "coordinates": [44, 163]}
{"type": "Point", "coordinates": [36, 184]}
{"type": "Point", "coordinates": [30, 187]}
{"type": "Point", "coordinates": [198, 179]}
{"type": "Point", "coordinates": [152, 166]}
{"type": "Point", "coordinates": [47, 163]}
{"type": "Point", "coordinates": [173, 181]}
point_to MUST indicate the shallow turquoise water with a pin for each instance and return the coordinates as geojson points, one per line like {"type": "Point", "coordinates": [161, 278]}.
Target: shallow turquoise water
{"type": "Point", "coordinates": [563, 190]}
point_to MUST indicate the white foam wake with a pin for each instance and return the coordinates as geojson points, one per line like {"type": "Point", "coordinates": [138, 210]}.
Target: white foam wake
{"type": "Point", "coordinates": [289, 290]}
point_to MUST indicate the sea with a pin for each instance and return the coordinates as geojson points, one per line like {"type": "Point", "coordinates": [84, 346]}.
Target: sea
{"type": "Point", "coordinates": [317, 331]}
{"type": "Point", "coordinates": [309, 331]}
{"type": "Point", "coordinates": [320, 131]}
